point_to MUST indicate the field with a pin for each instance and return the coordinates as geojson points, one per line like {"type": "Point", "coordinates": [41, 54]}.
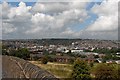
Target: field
{"type": "Point", "coordinates": [57, 69]}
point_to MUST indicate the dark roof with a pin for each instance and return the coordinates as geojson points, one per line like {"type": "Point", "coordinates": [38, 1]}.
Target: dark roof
{"type": "Point", "coordinates": [57, 56]}
{"type": "Point", "coordinates": [18, 68]}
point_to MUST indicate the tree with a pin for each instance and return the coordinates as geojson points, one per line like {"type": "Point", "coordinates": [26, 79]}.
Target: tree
{"type": "Point", "coordinates": [44, 60]}
{"type": "Point", "coordinates": [3, 49]}
{"type": "Point", "coordinates": [50, 59]}
{"type": "Point", "coordinates": [4, 52]}
{"type": "Point", "coordinates": [80, 70]}
{"type": "Point", "coordinates": [13, 53]}
{"type": "Point", "coordinates": [23, 53]}
{"type": "Point", "coordinates": [107, 57]}
{"type": "Point", "coordinates": [103, 72]}
{"type": "Point", "coordinates": [91, 64]}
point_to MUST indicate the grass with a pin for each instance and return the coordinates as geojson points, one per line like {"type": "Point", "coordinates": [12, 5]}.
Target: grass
{"type": "Point", "coordinates": [63, 70]}
{"type": "Point", "coordinates": [57, 69]}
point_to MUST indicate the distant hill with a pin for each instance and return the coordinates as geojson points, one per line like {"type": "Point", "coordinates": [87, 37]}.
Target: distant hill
{"type": "Point", "coordinates": [68, 42]}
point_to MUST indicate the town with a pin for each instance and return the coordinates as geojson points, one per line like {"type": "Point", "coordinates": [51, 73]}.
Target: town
{"type": "Point", "coordinates": [65, 50]}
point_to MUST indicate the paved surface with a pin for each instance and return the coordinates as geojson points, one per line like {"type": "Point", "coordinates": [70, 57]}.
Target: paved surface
{"type": "Point", "coordinates": [18, 68]}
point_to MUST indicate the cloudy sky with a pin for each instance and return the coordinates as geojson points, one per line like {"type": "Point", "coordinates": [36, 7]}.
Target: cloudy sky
{"type": "Point", "coordinates": [35, 20]}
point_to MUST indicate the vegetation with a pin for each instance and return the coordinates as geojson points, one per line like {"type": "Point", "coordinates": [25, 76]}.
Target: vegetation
{"type": "Point", "coordinates": [44, 60]}
{"type": "Point", "coordinates": [80, 70]}
{"type": "Point", "coordinates": [107, 51]}
{"type": "Point", "coordinates": [104, 50]}
{"type": "Point", "coordinates": [110, 57]}
{"type": "Point", "coordinates": [21, 52]}
{"type": "Point", "coordinates": [35, 58]}
{"type": "Point", "coordinates": [105, 72]}
{"type": "Point", "coordinates": [57, 69]}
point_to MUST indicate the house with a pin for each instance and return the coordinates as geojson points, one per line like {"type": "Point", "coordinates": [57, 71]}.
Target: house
{"type": "Point", "coordinates": [66, 51]}
{"type": "Point", "coordinates": [99, 60]}
{"type": "Point", "coordinates": [118, 61]}
{"type": "Point", "coordinates": [89, 60]}
{"type": "Point", "coordinates": [32, 56]}
{"type": "Point", "coordinates": [56, 58]}
{"type": "Point", "coordinates": [101, 55]}
{"type": "Point", "coordinates": [76, 51]}
{"type": "Point", "coordinates": [110, 61]}
{"type": "Point", "coordinates": [118, 54]}
{"type": "Point", "coordinates": [63, 59]}
{"type": "Point", "coordinates": [37, 52]}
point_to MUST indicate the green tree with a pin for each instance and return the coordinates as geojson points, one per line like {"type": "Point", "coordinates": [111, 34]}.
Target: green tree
{"type": "Point", "coordinates": [80, 70]}
{"type": "Point", "coordinates": [13, 52]}
{"type": "Point", "coordinates": [3, 49]}
{"type": "Point", "coordinates": [107, 57]}
{"type": "Point", "coordinates": [103, 72]}
{"type": "Point", "coordinates": [91, 64]}
{"type": "Point", "coordinates": [21, 53]}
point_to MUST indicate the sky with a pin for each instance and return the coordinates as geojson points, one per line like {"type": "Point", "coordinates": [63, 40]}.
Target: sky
{"type": "Point", "coordinates": [88, 19]}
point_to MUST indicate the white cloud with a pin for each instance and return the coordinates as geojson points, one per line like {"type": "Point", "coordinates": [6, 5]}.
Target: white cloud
{"type": "Point", "coordinates": [53, 8]}
{"type": "Point", "coordinates": [8, 28]}
{"type": "Point", "coordinates": [107, 17]}
{"type": "Point", "coordinates": [57, 7]}
{"type": "Point", "coordinates": [108, 35]}
{"type": "Point", "coordinates": [74, 14]}
{"type": "Point", "coordinates": [22, 10]}
{"type": "Point", "coordinates": [0, 21]}
{"type": "Point", "coordinates": [5, 10]}
{"type": "Point", "coordinates": [104, 23]}
{"type": "Point", "coordinates": [40, 17]}
{"type": "Point", "coordinates": [34, 30]}
{"type": "Point", "coordinates": [55, 23]}
{"type": "Point", "coordinates": [106, 8]}
{"type": "Point", "coordinates": [67, 32]}
{"type": "Point", "coordinates": [57, 20]}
